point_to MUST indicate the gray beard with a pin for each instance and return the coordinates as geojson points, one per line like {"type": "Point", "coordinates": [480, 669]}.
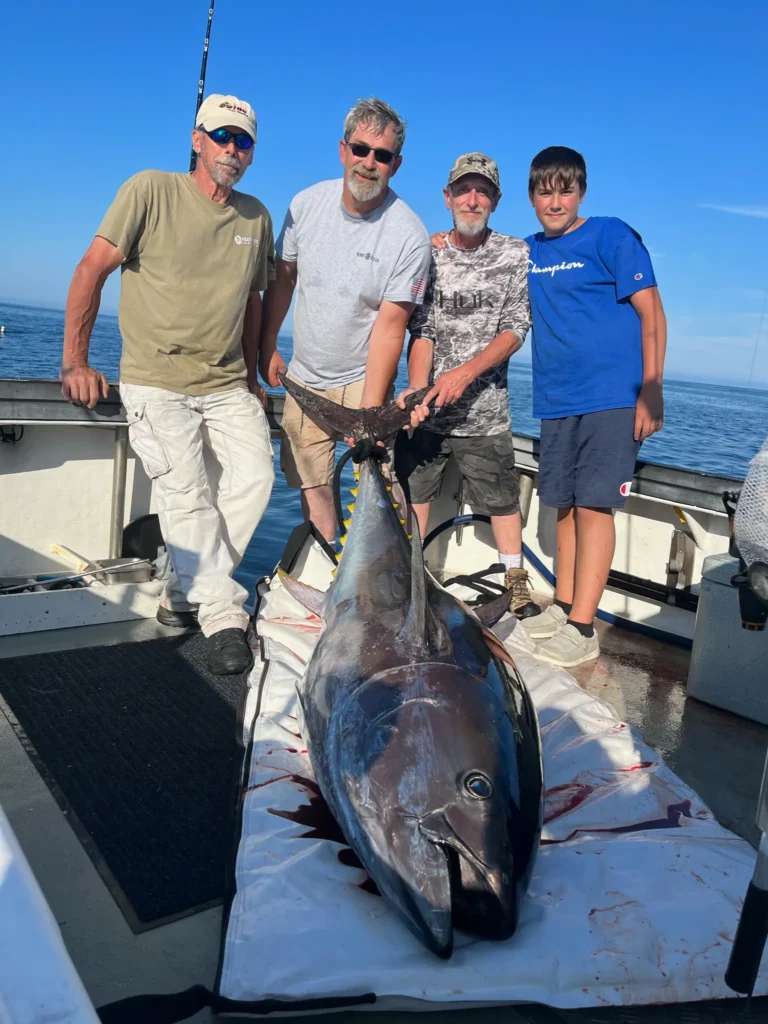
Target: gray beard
{"type": "Point", "coordinates": [364, 191]}
{"type": "Point", "coordinates": [221, 176]}
{"type": "Point", "coordinates": [470, 228]}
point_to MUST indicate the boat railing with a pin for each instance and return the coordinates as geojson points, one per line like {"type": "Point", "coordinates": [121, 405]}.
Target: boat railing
{"type": "Point", "coordinates": [40, 403]}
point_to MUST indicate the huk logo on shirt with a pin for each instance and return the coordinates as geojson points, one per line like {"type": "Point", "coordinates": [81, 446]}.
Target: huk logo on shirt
{"type": "Point", "coordinates": [466, 303]}
{"type": "Point", "coordinates": [246, 240]}
{"type": "Point", "coordinates": [369, 256]}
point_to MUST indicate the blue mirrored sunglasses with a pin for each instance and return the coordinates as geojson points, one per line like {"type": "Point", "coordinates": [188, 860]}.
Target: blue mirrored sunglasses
{"type": "Point", "coordinates": [221, 137]}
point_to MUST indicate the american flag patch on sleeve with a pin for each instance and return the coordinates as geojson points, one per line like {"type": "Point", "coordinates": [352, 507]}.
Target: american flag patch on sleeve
{"type": "Point", "coordinates": [417, 291]}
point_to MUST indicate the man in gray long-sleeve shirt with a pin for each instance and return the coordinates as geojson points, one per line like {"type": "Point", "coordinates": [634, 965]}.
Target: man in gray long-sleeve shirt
{"type": "Point", "coordinates": [474, 317]}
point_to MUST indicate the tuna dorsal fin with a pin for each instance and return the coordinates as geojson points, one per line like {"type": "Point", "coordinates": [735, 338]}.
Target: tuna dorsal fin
{"type": "Point", "coordinates": [414, 634]}
{"type": "Point", "coordinates": [379, 422]}
{"type": "Point", "coordinates": [310, 597]}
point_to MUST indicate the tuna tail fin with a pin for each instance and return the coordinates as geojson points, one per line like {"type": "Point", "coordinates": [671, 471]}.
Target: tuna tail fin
{"type": "Point", "coordinates": [379, 422]}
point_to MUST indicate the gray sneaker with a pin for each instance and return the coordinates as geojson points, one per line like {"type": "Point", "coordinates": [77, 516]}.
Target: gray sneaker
{"type": "Point", "coordinates": [568, 648]}
{"type": "Point", "coordinates": [545, 625]}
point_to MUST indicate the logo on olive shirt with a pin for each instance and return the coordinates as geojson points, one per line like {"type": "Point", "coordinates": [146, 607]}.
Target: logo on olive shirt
{"type": "Point", "coordinates": [246, 240]}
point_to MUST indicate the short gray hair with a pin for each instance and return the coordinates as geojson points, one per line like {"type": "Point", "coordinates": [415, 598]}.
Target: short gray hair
{"type": "Point", "coordinates": [378, 115]}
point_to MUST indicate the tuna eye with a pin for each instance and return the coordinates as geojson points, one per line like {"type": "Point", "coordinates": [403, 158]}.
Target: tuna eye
{"type": "Point", "coordinates": [478, 786]}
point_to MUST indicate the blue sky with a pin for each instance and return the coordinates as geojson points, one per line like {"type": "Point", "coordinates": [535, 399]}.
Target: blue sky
{"type": "Point", "coordinates": [666, 101]}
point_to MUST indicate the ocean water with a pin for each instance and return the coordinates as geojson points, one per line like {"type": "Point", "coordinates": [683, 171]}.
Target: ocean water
{"type": "Point", "coordinates": [707, 427]}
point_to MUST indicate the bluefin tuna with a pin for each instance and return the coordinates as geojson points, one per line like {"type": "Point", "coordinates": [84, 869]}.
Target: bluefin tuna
{"type": "Point", "coordinates": [420, 731]}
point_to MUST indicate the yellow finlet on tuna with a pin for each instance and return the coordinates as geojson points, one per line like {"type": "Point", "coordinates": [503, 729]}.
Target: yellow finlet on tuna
{"type": "Point", "coordinates": [351, 507]}
{"type": "Point", "coordinates": [353, 491]}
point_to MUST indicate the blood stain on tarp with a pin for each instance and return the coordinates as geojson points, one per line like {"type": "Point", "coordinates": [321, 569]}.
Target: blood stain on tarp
{"type": "Point", "coordinates": [560, 800]}
{"type": "Point", "coordinates": [674, 813]}
{"type": "Point", "coordinates": [321, 824]}
{"type": "Point", "coordinates": [615, 906]}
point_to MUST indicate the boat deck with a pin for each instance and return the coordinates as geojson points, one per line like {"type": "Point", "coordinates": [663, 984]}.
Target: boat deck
{"type": "Point", "coordinates": [720, 755]}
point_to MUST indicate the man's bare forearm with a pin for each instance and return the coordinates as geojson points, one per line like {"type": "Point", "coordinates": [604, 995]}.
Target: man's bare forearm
{"type": "Point", "coordinates": [385, 349]}
{"type": "Point", "coordinates": [420, 363]}
{"type": "Point", "coordinates": [277, 302]}
{"type": "Point", "coordinates": [81, 311]}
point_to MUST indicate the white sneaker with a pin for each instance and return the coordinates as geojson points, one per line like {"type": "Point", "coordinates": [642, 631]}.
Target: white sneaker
{"type": "Point", "coordinates": [568, 648]}
{"type": "Point", "coordinates": [546, 624]}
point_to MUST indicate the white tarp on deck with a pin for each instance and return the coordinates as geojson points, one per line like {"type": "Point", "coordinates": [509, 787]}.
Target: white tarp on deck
{"type": "Point", "coordinates": [634, 899]}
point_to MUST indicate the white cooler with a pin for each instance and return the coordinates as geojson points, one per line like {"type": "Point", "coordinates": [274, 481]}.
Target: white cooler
{"type": "Point", "coordinates": [729, 665]}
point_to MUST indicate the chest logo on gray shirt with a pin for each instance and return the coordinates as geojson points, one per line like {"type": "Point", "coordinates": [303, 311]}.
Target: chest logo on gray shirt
{"type": "Point", "coordinates": [464, 303]}
{"type": "Point", "coordinates": [369, 256]}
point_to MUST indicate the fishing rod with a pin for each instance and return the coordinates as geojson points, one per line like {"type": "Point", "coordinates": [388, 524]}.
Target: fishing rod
{"type": "Point", "coordinates": [201, 81]}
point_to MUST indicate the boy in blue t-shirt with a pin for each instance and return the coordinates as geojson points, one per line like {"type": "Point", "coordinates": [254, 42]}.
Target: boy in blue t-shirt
{"type": "Point", "coordinates": [599, 337]}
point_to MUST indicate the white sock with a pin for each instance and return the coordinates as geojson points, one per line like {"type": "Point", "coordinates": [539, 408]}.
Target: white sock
{"type": "Point", "coordinates": [512, 561]}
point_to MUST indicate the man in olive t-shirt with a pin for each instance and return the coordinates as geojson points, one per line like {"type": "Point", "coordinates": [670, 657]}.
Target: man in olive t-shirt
{"type": "Point", "coordinates": [195, 256]}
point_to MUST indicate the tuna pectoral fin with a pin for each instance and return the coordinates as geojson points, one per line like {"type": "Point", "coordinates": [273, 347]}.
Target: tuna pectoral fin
{"type": "Point", "coordinates": [312, 599]}
{"type": "Point", "coordinates": [379, 422]}
{"type": "Point", "coordinates": [490, 612]}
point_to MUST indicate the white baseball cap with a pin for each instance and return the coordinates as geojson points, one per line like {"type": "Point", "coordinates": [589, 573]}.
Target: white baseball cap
{"type": "Point", "coordinates": [218, 111]}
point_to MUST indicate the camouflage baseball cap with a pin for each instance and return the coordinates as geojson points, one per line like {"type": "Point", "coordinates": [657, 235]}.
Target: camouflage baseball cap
{"type": "Point", "coordinates": [475, 163]}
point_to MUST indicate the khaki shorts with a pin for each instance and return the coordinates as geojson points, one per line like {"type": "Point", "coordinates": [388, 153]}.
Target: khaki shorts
{"type": "Point", "coordinates": [307, 450]}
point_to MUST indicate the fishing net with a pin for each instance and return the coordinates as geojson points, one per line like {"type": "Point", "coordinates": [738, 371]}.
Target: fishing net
{"type": "Point", "coordinates": [751, 521]}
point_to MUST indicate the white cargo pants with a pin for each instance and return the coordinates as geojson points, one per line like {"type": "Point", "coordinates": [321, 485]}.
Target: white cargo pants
{"type": "Point", "coordinates": [207, 513]}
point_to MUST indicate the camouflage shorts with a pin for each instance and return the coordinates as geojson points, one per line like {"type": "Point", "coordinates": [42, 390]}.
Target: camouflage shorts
{"type": "Point", "coordinates": [487, 464]}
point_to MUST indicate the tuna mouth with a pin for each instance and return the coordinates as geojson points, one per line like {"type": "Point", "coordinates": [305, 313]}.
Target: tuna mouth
{"type": "Point", "coordinates": [481, 903]}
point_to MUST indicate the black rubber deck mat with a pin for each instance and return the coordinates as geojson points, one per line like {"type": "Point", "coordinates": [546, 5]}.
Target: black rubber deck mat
{"type": "Point", "coordinates": [137, 744]}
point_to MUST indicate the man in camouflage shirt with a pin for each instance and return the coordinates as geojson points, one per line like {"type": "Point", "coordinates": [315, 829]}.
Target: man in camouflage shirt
{"type": "Point", "coordinates": [475, 316]}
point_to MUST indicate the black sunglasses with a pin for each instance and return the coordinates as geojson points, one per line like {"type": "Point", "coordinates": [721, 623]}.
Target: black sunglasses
{"type": "Point", "coordinates": [381, 156]}
{"type": "Point", "coordinates": [221, 137]}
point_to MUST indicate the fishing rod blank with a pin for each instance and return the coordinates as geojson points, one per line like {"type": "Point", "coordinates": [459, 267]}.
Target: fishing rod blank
{"type": "Point", "coordinates": [201, 81]}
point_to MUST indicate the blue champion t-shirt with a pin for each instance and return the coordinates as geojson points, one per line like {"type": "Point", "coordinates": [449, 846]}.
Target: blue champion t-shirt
{"type": "Point", "coordinates": [587, 353]}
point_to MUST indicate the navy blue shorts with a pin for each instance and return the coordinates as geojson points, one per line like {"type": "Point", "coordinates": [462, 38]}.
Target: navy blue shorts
{"type": "Point", "coordinates": [588, 460]}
